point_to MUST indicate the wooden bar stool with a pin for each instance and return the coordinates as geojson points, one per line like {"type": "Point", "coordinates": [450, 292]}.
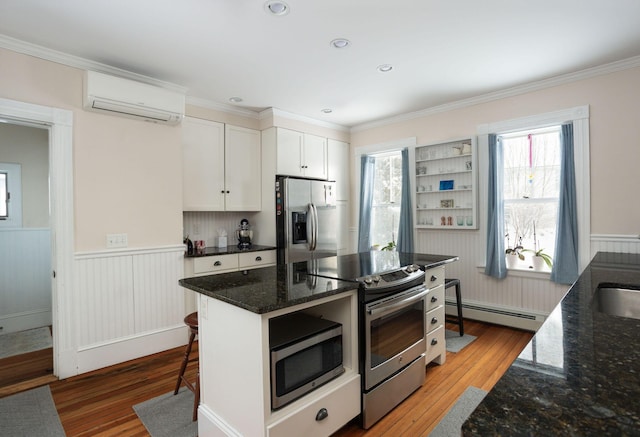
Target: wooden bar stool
{"type": "Point", "coordinates": [192, 322]}
{"type": "Point", "coordinates": [451, 319]}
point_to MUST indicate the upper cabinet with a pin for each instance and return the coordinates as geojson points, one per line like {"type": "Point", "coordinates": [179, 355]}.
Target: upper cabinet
{"type": "Point", "coordinates": [338, 157]}
{"type": "Point", "coordinates": [301, 154]}
{"type": "Point", "coordinates": [221, 168]}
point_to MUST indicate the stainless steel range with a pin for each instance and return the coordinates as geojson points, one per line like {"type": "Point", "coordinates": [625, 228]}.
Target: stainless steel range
{"type": "Point", "coordinates": [392, 327]}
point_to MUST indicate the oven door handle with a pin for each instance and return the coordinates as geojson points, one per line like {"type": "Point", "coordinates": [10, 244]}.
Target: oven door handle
{"type": "Point", "coordinates": [387, 308]}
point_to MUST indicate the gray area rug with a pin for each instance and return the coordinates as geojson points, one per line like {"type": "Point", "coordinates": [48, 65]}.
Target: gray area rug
{"type": "Point", "coordinates": [30, 414]}
{"type": "Point", "coordinates": [451, 424]}
{"type": "Point", "coordinates": [455, 343]}
{"type": "Point", "coordinates": [21, 342]}
{"type": "Point", "coordinates": [169, 415]}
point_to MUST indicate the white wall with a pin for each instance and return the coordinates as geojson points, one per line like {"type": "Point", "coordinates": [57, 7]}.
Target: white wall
{"type": "Point", "coordinates": [612, 99]}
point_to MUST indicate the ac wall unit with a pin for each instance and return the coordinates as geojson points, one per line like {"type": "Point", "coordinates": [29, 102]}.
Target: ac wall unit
{"type": "Point", "coordinates": [127, 98]}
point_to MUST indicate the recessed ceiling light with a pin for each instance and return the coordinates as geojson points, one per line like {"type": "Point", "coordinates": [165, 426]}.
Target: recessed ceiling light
{"type": "Point", "coordinates": [235, 99]}
{"type": "Point", "coordinates": [276, 8]}
{"type": "Point", "coordinates": [340, 43]}
{"type": "Point", "coordinates": [326, 111]}
{"type": "Point", "coordinates": [385, 68]}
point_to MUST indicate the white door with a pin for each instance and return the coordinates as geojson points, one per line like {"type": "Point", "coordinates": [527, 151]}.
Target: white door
{"type": "Point", "coordinates": [315, 156]}
{"type": "Point", "coordinates": [289, 150]}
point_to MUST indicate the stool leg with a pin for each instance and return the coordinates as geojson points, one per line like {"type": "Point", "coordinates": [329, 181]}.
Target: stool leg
{"type": "Point", "coordinates": [196, 400]}
{"type": "Point", "coordinates": [185, 361]}
{"type": "Point", "coordinates": [459, 304]}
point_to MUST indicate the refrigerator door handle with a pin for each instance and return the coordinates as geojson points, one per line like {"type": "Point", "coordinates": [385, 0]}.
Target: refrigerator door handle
{"type": "Point", "coordinates": [312, 226]}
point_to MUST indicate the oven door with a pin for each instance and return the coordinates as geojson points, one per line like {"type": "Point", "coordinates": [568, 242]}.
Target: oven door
{"type": "Point", "coordinates": [394, 330]}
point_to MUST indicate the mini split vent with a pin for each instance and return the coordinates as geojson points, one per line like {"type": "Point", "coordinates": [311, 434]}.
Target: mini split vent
{"type": "Point", "coordinates": [127, 98]}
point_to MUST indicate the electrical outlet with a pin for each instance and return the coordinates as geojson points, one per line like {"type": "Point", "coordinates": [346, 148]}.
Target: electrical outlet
{"type": "Point", "coordinates": [117, 240]}
{"type": "Point", "coordinates": [196, 229]}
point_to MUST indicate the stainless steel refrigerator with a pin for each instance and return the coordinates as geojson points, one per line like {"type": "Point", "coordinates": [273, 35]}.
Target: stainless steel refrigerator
{"type": "Point", "coordinates": [306, 219]}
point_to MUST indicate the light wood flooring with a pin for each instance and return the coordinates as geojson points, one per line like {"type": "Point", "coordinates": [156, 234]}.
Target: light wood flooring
{"type": "Point", "coordinates": [100, 403]}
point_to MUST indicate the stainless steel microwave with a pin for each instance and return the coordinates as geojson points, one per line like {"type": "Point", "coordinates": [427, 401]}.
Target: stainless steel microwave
{"type": "Point", "coordinates": [306, 352]}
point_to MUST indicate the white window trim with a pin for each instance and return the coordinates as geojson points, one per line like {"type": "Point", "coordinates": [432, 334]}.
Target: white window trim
{"type": "Point", "coordinates": [14, 187]}
{"type": "Point", "coordinates": [579, 115]}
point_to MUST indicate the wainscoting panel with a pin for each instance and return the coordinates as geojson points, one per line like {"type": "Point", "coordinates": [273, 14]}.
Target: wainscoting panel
{"type": "Point", "coordinates": [158, 298]}
{"type": "Point", "coordinates": [129, 304]}
{"type": "Point", "coordinates": [526, 292]}
{"type": "Point", "coordinates": [25, 278]}
{"type": "Point", "coordinates": [104, 289]}
{"type": "Point", "coordinates": [615, 243]}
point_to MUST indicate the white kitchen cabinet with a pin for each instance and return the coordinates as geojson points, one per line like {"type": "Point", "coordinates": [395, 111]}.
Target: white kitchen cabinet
{"type": "Point", "coordinates": [242, 162]}
{"type": "Point", "coordinates": [235, 372]}
{"type": "Point", "coordinates": [221, 167]}
{"type": "Point", "coordinates": [338, 170]}
{"type": "Point", "coordinates": [436, 346]}
{"type": "Point", "coordinates": [202, 165]}
{"type": "Point", "coordinates": [300, 154]}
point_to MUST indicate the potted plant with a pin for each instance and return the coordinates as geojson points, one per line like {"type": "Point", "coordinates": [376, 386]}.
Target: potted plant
{"type": "Point", "coordinates": [513, 254]}
{"type": "Point", "coordinates": [391, 245]}
{"type": "Point", "coordinates": [539, 258]}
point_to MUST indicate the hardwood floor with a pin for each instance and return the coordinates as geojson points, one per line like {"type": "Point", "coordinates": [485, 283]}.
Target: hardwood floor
{"type": "Point", "coordinates": [100, 403]}
{"type": "Point", "coordinates": [26, 371]}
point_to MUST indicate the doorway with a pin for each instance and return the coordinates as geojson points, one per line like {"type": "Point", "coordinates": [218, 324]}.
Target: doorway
{"type": "Point", "coordinates": [25, 255]}
{"type": "Point", "coordinates": [58, 125]}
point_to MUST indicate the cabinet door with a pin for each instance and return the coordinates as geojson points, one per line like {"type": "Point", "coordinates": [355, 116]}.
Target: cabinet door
{"type": "Point", "coordinates": [202, 165]}
{"type": "Point", "coordinates": [289, 151]}
{"type": "Point", "coordinates": [338, 167]}
{"type": "Point", "coordinates": [314, 156]}
{"type": "Point", "coordinates": [242, 169]}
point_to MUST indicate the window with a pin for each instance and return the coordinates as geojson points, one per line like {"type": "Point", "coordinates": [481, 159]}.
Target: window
{"type": "Point", "coordinates": [387, 195]}
{"type": "Point", "coordinates": [4, 197]}
{"type": "Point", "coordinates": [531, 189]}
{"type": "Point", "coordinates": [10, 195]}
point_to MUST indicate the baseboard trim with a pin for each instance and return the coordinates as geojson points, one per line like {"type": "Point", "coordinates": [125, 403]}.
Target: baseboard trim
{"type": "Point", "coordinates": [107, 354]}
{"type": "Point", "coordinates": [505, 316]}
{"type": "Point", "coordinates": [25, 320]}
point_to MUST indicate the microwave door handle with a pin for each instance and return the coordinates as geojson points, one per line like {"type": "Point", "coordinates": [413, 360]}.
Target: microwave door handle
{"type": "Point", "coordinates": [383, 309]}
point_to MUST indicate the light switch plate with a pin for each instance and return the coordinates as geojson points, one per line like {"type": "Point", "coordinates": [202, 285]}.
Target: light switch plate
{"type": "Point", "coordinates": [117, 240]}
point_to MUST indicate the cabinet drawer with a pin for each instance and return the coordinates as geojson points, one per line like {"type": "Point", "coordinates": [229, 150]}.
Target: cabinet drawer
{"type": "Point", "coordinates": [434, 277]}
{"type": "Point", "coordinates": [435, 318]}
{"type": "Point", "coordinates": [215, 264]}
{"type": "Point", "coordinates": [436, 343]}
{"type": "Point", "coordinates": [435, 298]}
{"type": "Point", "coordinates": [252, 260]}
{"type": "Point", "coordinates": [342, 405]}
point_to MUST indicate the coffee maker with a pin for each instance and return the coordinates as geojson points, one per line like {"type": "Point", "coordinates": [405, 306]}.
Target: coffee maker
{"type": "Point", "coordinates": [244, 234]}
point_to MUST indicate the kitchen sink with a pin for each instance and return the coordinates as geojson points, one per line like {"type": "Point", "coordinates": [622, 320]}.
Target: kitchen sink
{"type": "Point", "coordinates": [616, 300]}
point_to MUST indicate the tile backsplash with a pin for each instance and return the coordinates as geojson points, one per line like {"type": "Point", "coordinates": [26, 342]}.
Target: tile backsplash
{"type": "Point", "coordinates": [205, 225]}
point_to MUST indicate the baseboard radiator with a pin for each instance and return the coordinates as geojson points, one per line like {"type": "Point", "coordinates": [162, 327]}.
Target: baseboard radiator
{"type": "Point", "coordinates": [513, 317]}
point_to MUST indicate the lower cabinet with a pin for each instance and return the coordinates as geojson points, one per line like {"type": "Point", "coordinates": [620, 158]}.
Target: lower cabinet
{"type": "Point", "coordinates": [436, 343]}
{"type": "Point", "coordinates": [235, 372]}
{"type": "Point", "coordinates": [341, 404]}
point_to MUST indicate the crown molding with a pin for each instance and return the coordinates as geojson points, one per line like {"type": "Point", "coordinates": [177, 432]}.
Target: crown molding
{"type": "Point", "coordinates": [612, 67]}
{"type": "Point", "coordinates": [37, 51]}
{"type": "Point", "coordinates": [275, 112]}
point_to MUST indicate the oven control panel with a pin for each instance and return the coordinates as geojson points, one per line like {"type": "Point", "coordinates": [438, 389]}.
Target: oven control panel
{"type": "Point", "coordinates": [409, 275]}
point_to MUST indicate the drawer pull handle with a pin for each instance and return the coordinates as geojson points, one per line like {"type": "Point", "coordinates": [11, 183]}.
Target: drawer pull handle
{"type": "Point", "coordinates": [434, 278]}
{"type": "Point", "coordinates": [434, 342]}
{"type": "Point", "coordinates": [434, 299]}
{"type": "Point", "coordinates": [322, 414]}
{"type": "Point", "coordinates": [258, 258]}
{"type": "Point", "coordinates": [217, 263]}
{"type": "Point", "coordinates": [434, 320]}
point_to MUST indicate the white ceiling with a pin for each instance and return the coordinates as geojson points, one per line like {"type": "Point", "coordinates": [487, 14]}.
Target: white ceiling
{"type": "Point", "coordinates": [442, 51]}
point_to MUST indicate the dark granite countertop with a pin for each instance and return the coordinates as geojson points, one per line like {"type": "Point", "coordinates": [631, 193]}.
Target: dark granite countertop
{"type": "Point", "coordinates": [210, 251]}
{"type": "Point", "coordinates": [579, 375]}
{"type": "Point", "coordinates": [268, 289]}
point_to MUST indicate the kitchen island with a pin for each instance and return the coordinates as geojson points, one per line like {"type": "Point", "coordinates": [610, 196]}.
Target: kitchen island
{"type": "Point", "coordinates": [580, 374]}
{"type": "Point", "coordinates": [234, 312]}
